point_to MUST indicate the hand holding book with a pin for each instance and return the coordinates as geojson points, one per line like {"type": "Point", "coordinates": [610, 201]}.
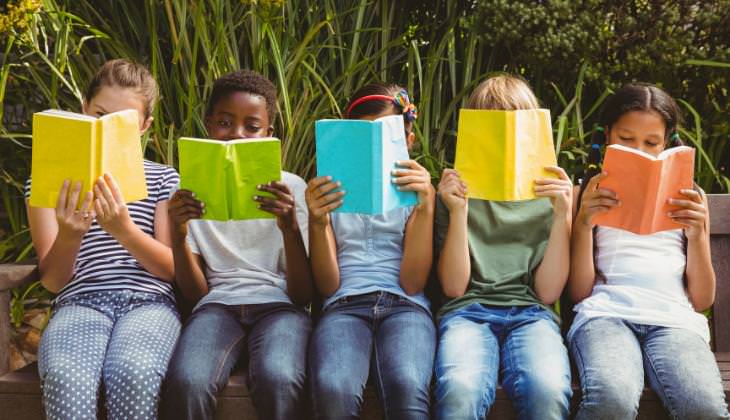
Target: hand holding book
{"type": "Point", "coordinates": [692, 213]}
{"type": "Point", "coordinates": [183, 207]}
{"type": "Point", "coordinates": [322, 199]}
{"type": "Point", "coordinates": [280, 205]}
{"type": "Point", "coordinates": [73, 222]}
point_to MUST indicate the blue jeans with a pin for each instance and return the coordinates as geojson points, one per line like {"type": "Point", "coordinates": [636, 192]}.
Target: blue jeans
{"type": "Point", "coordinates": [275, 336]}
{"type": "Point", "coordinates": [378, 334]}
{"type": "Point", "coordinates": [612, 356]}
{"type": "Point", "coordinates": [119, 337]}
{"type": "Point", "coordinates": [474, 341]}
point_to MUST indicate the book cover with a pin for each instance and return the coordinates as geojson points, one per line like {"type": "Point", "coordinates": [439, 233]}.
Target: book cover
{"type": "Point", "coordinates": [224, 174]}
{"type": "Point", "coordinates": [361, 155]}
{"type": "Point", "coordinates": [644, 184]}
{"type": "Point", "coordinates": [500, 154]}
{"type": "Point", "coordinates": [80, 147]}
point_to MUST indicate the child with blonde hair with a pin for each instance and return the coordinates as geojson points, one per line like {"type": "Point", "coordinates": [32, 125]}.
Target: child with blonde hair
{"type": "Point", "coordinates": [502, 265]}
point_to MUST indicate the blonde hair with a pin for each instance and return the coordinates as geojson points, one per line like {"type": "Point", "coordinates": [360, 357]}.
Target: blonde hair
{"type": "Point", "coordinates": [503, 92]}
{"type": "Point", "coordinates": [129, 75]}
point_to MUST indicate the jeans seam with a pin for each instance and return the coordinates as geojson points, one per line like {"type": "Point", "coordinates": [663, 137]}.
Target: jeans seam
{"type": "Point", "coordinates": [379, 378]}
{"type": "Point", "coordinates": [663, 389]}
{"type": "Point", "coordinates": [222, 362]}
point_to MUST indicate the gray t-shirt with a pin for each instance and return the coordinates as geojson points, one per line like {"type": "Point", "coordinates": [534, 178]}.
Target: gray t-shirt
{"type": "Point", "coordinates": [245, 261]}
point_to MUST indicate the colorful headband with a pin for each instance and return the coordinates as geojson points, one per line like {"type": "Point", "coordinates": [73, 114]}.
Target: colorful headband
{"type": "Point", "coordinates": [400, 100]}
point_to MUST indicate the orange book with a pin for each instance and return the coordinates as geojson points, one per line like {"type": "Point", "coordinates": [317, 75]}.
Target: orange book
{"type": "Point", "coordinates": [644, 184]}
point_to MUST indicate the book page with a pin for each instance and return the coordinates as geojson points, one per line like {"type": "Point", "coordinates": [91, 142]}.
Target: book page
{"type": "Point", "coordinates": [121, 153]}
{"type": "Point", "coordinates": [394, 146]}
{"type": "Point", "coordinates": [69, 115]}
{"type": "Point", "coordinates": [63, 148]}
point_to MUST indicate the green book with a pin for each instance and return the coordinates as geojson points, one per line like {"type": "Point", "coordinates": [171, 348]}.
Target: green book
{"type": "Point", "coordinates": [224, 174]}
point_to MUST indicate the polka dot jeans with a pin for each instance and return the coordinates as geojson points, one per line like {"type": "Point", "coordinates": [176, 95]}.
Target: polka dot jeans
{"type": "Point", "coordinates": [121, 338]}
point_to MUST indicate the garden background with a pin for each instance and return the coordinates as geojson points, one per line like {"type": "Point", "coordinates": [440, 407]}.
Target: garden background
{"type": "Point", "coordinates": [318, 52]}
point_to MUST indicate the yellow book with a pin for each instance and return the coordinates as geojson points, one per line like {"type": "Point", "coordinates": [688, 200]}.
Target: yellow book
{"type": "Point", "coordinates": [500, 154]}
{"type": "Point", "coordinates": [80, 147]}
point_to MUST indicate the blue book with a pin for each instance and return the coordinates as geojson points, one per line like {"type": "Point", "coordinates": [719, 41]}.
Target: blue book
{"type": "Point", "coordinates": [361, 154]}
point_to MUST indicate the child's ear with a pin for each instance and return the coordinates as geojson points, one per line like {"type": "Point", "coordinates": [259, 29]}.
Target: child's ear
{"type": "Point", "coordinates": [84, 107]}
{"type": "Point", "coordinates": [410, 139]}
{"type": "Point", "coordinates": [270, 131]}
{"type": "Point", "coordinates": [146, 125]}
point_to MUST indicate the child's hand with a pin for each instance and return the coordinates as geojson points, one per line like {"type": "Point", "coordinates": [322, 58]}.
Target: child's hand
{"type": "Point", "coordinates": [111, 210]}
{"type": "Point", "coordinates": [452, 190]}
{"type": "Point", "coordinates": [693, 213]}
{"type": "Point", "coordinates": [72, 222]}
{"type": "Point", "coordinates": [282, 206]}
{"type": "Point", "coordinates": [414, 178]}
{"type": "Point", "coordinates": [321, 199]}
{"type": "Point", "coordinates": [182, 207]}
{"type": "Point", "coordinates": [559, 190]}
{"type": "Point", "coordinates": [595, 200]}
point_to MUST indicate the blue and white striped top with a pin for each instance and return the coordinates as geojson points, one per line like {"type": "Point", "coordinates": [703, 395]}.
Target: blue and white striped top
{"type": "Point", "coordinates": [102, 263]}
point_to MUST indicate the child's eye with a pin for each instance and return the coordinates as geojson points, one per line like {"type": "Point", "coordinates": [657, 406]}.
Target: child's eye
{"type": "Point", "coordinates": [625, 138]}
{"type": "Point", "coordinates": [224, 123]}
{"type": "Point", "coordinates": [253, 128]}
{"type": "Point", "coordinates": [100, 114]}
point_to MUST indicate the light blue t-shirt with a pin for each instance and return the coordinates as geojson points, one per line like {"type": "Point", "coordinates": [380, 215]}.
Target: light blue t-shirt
{"type": "Point", "coordinates": [369, 254]}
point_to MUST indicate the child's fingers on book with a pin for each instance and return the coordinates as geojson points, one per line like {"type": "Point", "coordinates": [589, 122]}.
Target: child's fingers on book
{"type": "Point", "coordinates": [63, 195]}
{"type": "Point", "coordinates": [114, 187]}
{"type": "Point", "coordinates": [402, 180]}
{"type": "Point", "coordinates": [692, 194]}
{"type": "Point", "coordinates": [104, 190]}
{"type": "Point", "coordinates": [689, 204]}
{"type": "Point", "coordinates": [318, 181]}
{"type": "Point", "coordinates": [73, 197]}
{"type": "Point", "coordinates": [328, 208]}
{"type": "Point", "coordinates": [686, 213]}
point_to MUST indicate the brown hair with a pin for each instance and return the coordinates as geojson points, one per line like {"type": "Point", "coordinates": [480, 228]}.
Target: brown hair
{"type": "Point", "coordinates": [503, 92]}
{"type": "Point", "coordinates": [129, 75]}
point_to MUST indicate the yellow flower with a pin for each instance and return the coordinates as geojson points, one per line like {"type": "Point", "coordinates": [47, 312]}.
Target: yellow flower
{"type": "Point", "coordinates": [16, 16]}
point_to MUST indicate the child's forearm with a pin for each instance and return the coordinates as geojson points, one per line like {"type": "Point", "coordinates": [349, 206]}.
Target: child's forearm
{"type": "Point", "coordinates": [582, 269]}
{"type": "Point", "coordinates": [56, 267]}
{"type": "Point", "coordinates": [552, 273]}
{"type": "Point", "coordinates": [417, 250]}
{"type": "Point", "coordinates": [454, 265]}
{"type": "Point", "coordinates": [152, 254]}
{"type": "Point", "coordinates": [298, 272]}
{"type": "Point", "coordinates": [189, 275]}
{"type": "Point", "coordinates": [323, 255]}
{"type": "Point", "coordinates": [700, 274]}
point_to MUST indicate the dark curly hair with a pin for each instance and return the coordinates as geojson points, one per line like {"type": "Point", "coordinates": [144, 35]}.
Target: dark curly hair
{"type": "Point", "coordinates": [244, 81]}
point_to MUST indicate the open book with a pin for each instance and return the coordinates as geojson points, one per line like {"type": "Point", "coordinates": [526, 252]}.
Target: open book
{"type": "Point", "coordinates": [82, 148]}
{"type": "Point", "coordinates": [644, 184]}
{"type": "Point", "coordinates": [500, 154]}
{"type": "Point", "coordinates": [224, 174]}
{"type": "Point", "coordinates": [361, 154]}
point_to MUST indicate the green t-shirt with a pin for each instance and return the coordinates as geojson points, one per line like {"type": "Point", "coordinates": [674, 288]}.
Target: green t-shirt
{"type": "Point", "coordinates": [507, 241]}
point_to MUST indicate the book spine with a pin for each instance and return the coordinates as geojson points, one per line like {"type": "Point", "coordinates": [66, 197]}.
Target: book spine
{"type": "Point", "coordinates": [376, 169]}
{"type": "Point", "coordinates": [512, 188]}
{"type": "Point", "coordinates": [97, 152]}
{"type": "Point", "coordinates": [653, 206]}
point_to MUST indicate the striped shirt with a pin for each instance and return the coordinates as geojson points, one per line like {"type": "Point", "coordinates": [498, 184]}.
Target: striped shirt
{"type": "Point", "coordinates": [102, 263]}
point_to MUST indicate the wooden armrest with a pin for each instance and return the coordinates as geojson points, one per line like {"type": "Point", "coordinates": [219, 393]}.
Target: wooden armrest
{"type": "Point", "coordinates": [15, 275]}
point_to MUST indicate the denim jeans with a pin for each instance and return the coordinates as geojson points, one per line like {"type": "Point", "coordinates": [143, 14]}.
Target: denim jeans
{"type": "Point", "coordinates": [381, 335]}
{"type": "Point", "coordinates": [613, 356]}
{"type": "Point", "coordinates": [121, 338]}
{"type": "Point", "coordinates": [474, 341]}
{"type": "Point", "coordinates": [275, 337]}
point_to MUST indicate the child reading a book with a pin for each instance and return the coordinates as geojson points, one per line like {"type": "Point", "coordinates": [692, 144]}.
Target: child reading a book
{"type": "Point", "coordinates": [114, 318]}
{"type": "Point", "coordinates": [502, 264]}
{"type": "Point", "coordinates": [371, 271]}
{"type": "Point", "coordinates": [641, 295]}
{"type": "Point", "coordinates": [249, 278]}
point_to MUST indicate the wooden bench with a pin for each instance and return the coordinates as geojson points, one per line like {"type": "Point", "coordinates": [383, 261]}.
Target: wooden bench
{"type": "Point", "coordinates": [20, 397]}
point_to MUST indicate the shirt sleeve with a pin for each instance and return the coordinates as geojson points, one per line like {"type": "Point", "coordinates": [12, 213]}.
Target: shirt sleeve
{"type": "Point", "coordinates": [169, 183]}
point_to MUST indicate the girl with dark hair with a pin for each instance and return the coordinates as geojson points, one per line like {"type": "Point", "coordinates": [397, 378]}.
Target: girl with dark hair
{"type": "Point", "coordinates": [371, 271]}
{"type": "Point", "coordinates": [641, 296]}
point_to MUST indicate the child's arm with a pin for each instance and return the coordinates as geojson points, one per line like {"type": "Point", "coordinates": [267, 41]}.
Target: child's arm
{"type": "Point", "coordinates": [418, 241]}
{"type": "Point", "coordinates": [582, 270]}
{"type": "Point", "coordinates": [552, 273]}
{"type": "Point", "coordinates": [153, 253]}
{"type": "Point", "coordinates": [454, 265]}
{"type": "Point", "coordinates": [57, 235]}
{"type": "Point", "coordinates": [699, 271]}
{"type": "Point", "coordinates": [322, 246]}
{"type": "Point", "coordinates": [189, 266]}
{"type": "Point", "coordinates": [298, 273]}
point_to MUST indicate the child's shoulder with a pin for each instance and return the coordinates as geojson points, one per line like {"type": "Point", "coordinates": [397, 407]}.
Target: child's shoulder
{"type": "Point", "coordinates": [155, 168]}
{"type": "Point", "coordinates": [293, 181]}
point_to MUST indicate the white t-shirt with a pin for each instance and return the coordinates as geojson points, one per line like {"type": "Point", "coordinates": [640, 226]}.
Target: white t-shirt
{"type": "Point", "coordinates": [244, 259]}
{"type": "Point", "coordinates": [640, 279]}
